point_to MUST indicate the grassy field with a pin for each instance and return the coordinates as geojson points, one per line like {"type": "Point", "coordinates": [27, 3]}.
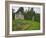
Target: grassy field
{"type": "Point", "coordinates": [19, 24]}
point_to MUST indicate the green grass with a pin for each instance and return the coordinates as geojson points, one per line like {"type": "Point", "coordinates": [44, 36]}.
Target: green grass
{"type": "Point", "coordinates": [19, 24]}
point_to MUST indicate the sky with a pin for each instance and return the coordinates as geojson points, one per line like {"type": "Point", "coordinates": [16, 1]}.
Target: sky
{"type": "Point", "coordinates": [26, 7]}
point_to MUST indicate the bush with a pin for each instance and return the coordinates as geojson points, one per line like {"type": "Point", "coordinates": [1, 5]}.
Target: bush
{"type": "Point", "coordinates": [29, 17]}
{"type": "Point", "coordinates": [37, 17]}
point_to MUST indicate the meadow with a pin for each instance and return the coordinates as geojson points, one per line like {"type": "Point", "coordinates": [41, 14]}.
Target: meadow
{"type": "Point", "coordinates": [20, 24]}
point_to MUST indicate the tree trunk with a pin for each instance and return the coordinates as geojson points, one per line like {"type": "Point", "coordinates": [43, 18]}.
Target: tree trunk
{"type": "Point", "coordinates": [33, 18]}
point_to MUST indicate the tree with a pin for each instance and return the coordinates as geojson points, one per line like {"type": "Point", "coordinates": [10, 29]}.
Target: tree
{"type": "Point", "coordinates": [21, 9]}
{"type": "Point", "coordinates": [32, 14]}
{"type": "Point", "coordinates": [13, 14]}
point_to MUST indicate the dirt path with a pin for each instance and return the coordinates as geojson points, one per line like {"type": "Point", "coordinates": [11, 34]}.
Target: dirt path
{"type": "Point", "coordinates": [25, 26]}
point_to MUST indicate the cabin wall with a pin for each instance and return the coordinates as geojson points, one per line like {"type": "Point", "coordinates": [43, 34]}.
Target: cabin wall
{"type": "Point", "coordinates": [19, 16]}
